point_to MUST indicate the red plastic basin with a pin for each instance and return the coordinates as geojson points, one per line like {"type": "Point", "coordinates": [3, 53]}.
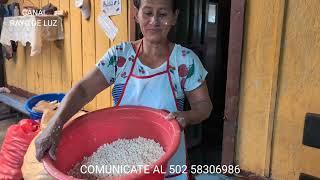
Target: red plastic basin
{"type": "Point", "coordinates": [87, 133]}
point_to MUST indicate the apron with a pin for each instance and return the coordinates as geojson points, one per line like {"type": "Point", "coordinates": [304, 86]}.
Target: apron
{"type": "Point", "coordinates": [138, 90]}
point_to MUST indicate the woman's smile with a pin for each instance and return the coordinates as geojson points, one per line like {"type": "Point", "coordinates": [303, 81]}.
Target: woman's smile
{"type": "Point", "coordinates": [154, 30]}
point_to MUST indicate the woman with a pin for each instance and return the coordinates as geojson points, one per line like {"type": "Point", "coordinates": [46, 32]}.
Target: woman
{"type": "Point", "coordinates": [151, 72]}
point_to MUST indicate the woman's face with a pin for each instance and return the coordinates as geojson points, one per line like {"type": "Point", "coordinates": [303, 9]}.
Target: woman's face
{"type": "Point", "coordinates": [156, 18]}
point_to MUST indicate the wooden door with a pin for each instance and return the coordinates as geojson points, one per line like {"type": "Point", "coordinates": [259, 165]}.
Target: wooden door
{"type": "Point", "coordinates": [208, 37]}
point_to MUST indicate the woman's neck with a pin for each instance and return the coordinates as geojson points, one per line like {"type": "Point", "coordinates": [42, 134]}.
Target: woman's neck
{"type": "Point", "coordinates": [159, 49]}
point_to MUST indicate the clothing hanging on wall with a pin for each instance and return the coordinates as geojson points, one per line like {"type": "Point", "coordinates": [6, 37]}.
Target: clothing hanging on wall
{"type": "Point", "coordinates": [7, 10]}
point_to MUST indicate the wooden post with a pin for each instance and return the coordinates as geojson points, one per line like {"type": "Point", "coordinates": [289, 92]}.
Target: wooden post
{"type": "Point", "coordinates": [233, 81]}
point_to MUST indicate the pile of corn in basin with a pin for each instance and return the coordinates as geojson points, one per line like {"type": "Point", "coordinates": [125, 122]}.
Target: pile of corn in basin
{"type": "Point", "coordinates": [122, 152]}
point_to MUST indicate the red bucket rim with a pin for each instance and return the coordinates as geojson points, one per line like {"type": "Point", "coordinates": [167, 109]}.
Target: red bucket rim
{"type": "Point", "coordinates": [48, 165]}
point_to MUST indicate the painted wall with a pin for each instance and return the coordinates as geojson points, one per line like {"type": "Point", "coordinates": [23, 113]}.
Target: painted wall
{"type": "Point", "coordinates": [57, 69]}
{"type": "Point", "coordinates": [280, 84]}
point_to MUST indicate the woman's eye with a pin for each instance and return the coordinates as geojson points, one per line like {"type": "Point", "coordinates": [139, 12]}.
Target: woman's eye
{"type": "Point", "coordinates": [162, 15]}
{"type": "Point", "coordinates": [148, 13]}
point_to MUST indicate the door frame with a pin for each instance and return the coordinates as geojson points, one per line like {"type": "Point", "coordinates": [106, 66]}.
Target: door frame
{"type": "Point", "coordinates": [237, 16]}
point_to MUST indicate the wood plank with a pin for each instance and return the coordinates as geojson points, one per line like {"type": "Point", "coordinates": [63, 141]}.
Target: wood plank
{"type": "Point", "coordinates": [56, 64]}
{"type": "Point", "coordinates": [14, 101]}
{"type": "Point", "coordinates": [102, 46]}
{"type": "Point", "coordinates": [21, 67]}
{"type": "Point", "coordinates": [30, 70]}
{"type": "Point", "coordinates": [35, 72]}
{"type": "Point", "coordinates": [38, 65]}
{"type": "Point", "coordinates": [38, 74]}
{"type": "Point", "coordinates": [121, 21]}
{"type": "Point", "coordinates": [33, 84]}
{"type": "Point", "coordinates": [89, 44]}
{"type": "Point", "coordinates": [76, 44]}
{"type": "Point", "coordinates": [20, 92]}
{"type": "Point", "coordinates": [233, 81]}
{"type": "Point", "coordinates": [47, 68]}
{"type": "Point", "coordinates": [131, 21]}
{"type": "Point", "coordinates": [66, 56]}
{"type": "Point", "coordinates": [46, 62]}
{"type": "Point", "coordinates": [10, 70]}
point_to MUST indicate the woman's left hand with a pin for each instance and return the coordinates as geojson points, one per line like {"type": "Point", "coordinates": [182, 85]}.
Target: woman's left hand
{"type": "Point", "coordinates": [201, 107]}
{"type": "Point", "coordinates": [178, 116]}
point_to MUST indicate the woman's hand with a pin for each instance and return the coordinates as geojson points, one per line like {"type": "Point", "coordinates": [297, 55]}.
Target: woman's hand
{"type": "Point", "coordinates": [77, 97]}
{"type": "Point", "coordinates": [179, 117]}
{"type": "Point", "coordinates": [201, 107]}
{"type": "Point", "coordinates": [47, 142]}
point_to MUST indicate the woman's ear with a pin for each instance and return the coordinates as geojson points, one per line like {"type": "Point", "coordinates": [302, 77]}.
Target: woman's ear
{"type": "Point", "coordinates": [176, 15]}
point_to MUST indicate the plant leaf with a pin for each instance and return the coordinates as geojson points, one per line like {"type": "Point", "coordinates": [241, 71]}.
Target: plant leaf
{"type": "Point", "coordinates": [112, 60]}
{"type": "Point", "coordinates": [191, 71]}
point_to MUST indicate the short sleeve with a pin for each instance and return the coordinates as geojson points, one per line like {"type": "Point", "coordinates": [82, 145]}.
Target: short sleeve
{"type": "Point", "coordinates": [107, 65]}
{"type": "Point", "coordinates": [196, 73]}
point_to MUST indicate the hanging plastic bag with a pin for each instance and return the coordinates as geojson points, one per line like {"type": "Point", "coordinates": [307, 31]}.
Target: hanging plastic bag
{"type": "Point", "coordinates": [14, 147]}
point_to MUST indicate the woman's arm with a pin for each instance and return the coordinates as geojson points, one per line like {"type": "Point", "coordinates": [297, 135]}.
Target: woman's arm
{"type": "Point", "coordinates": [201, 107]}
{"type": "Point", "coordinates": [81, 94]}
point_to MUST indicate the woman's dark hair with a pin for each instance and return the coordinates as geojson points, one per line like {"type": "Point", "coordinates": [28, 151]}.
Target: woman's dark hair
{"type": "Point", "coordinates": [174, 4]}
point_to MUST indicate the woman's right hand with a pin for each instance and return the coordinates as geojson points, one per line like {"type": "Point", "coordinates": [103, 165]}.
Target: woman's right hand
{"type": "Point", "coordinates": [47, 142]}
{"type": "Point", "coordinates": [77, 97]}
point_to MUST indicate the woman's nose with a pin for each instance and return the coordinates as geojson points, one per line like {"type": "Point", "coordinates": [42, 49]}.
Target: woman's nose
{"type": "Point", "coordinates": [155, 20]}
